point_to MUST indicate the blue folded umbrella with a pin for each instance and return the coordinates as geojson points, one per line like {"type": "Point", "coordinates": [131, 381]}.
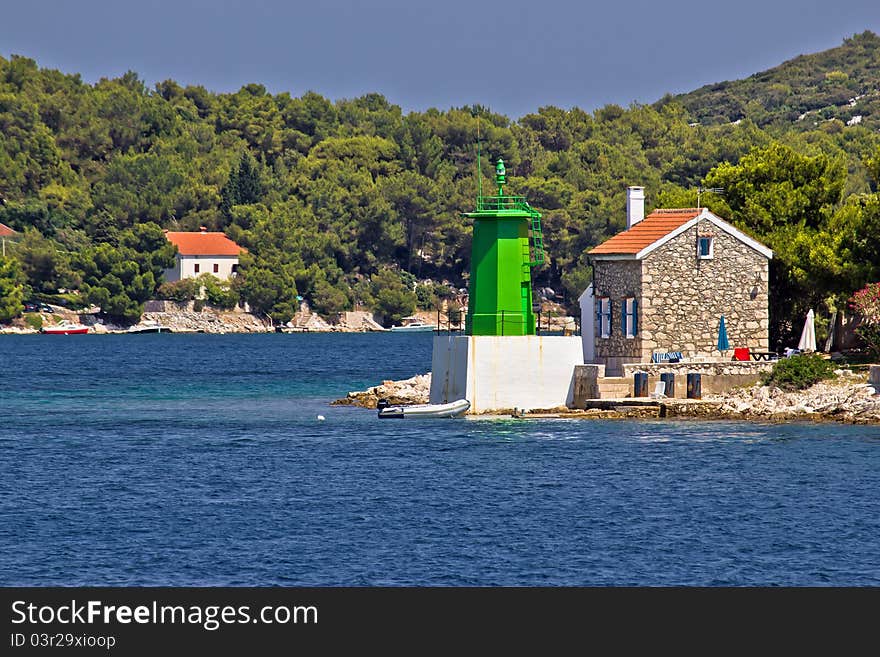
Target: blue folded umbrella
{"type": "Point", "coordinates": [723, 342]}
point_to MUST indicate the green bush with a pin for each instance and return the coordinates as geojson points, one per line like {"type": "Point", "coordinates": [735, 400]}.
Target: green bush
{"type": "Point", "coordinates": [34, 320]}
{"type": "Point", "coordinates": [217, 293]}
{"type": "Point", "coordinates": [198, 305]}
{"type": "Point", "coordinates": [425, 297]}
{"type": "Point", "coordinates": [799, 372]}
{"type": "Point", "coordinates": [453, 314]}
{"type": "Point", "coordinates": [185, 289]}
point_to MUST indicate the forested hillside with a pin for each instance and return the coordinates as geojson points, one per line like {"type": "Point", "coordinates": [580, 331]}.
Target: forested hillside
{"type": "Point", "coordinates": [841, 83]}
{"type": "Point", "coordinates": [354, 201]}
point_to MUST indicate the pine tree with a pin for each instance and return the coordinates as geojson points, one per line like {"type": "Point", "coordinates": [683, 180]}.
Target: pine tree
{"type": "Point", "coordinates": [243, 186]}
{"type": "Point", "coordinates": [250, 188]}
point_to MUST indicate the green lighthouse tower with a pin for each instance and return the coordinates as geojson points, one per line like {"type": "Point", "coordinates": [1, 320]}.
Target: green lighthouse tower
{"type": "Point", "coordinates": [507, 242]}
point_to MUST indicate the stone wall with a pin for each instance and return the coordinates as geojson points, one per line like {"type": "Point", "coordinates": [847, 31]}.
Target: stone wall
{"type": "Point", "coordinates": [683, 297]}
{"type": "Point", "coordinates": [715, 377]}
{"type": "Point", "coordinates": [618, 279]}
{"type": "Point", "coordinates": [711, 368]}
{"type": "Point", "coordinates": [586, 381]}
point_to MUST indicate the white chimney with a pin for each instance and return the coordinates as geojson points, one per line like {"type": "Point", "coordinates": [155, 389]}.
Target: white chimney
{"type": "Point", "coordinates": [635, 206]}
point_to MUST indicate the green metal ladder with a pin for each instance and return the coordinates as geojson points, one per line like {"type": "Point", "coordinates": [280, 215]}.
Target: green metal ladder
{"type": "Point", "coordinates": [536, 240]}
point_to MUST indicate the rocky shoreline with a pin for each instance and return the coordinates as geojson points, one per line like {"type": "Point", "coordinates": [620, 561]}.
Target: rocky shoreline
{"type": "Point", "coordinates": [183, 318]}
{"type": "Point", "coordinates": [847, 398]}
{"type": "Point", "coordinates": [414, 390]}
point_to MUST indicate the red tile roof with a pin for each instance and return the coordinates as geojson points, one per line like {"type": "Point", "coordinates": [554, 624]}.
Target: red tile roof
{"type": "Point", "coordinates": [204, 244]}
{"type": "Point", "coordinates": [656, 225]}
{"type": "Point", "coordinates": [6, 231]}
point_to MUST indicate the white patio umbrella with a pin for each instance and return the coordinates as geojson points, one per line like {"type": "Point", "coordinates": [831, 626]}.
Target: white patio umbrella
{"type": "Point", "coordinates": [808, 335]}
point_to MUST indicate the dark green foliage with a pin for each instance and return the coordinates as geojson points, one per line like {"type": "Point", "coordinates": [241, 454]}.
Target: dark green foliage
{"type": "Point", "coordinates": [12, 289]}
{"type": "Point", "coordinates": [329, 300]}
{"type": "Point", "coordinates": [454, 314]}
{"type": "Point", "coordinates": [425, 297]}
{"type": "Point", "coordinates": [217, 293]}
{"type": "Point", "coordinates": [799, 372]}
{"type": "Point", "coordinates": [119, 279]}
{"type": "Point", "coordinates": [393, 299]}
{"type": "Point", "coordinates": [45, 263]}
{"type": "Point", "coordinates": [269, 291]}
{"type": "Point", "coordinates": [185, 289]}
{"type": "Point", "coordinates": [244, 186]}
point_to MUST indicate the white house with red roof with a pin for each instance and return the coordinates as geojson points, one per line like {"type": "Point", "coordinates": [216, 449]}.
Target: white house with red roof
{"type": "Point", "coordinates": [662, 285]}
{"type": "Point", "coordinates": [203, 253]}
{"type": "Point", "coordinates": [6, 233]}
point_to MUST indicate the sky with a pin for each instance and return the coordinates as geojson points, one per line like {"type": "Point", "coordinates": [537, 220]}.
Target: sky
{"type": "Point", "coordinates": [512, 57]}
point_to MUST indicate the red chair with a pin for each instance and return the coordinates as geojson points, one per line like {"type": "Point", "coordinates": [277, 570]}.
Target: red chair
{"type": "Point", "coordinates": [741, 353]}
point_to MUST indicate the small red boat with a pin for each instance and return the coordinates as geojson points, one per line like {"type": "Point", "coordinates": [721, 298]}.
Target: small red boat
{"type": "Point", "coordinates": [65, 328]}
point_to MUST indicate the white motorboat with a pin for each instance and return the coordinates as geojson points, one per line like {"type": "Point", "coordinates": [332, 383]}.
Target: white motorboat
{"type": "Point", "coordinates": [413, 325]}
{"type": "Point", "coordinates": [148, 326]}
{"type": "Point", "coordinates": [416, 411]}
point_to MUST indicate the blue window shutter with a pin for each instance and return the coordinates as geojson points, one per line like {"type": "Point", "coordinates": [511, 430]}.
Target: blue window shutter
{"type": "Point", "coordinates": [599, 312]}
{"type": "Point", "coordinates": [623, 318]}
{"type": "Point", "coordinates": [635, 317]}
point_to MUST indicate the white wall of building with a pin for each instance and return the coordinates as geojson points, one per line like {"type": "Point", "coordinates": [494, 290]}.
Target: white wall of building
{"type": "Point", "coordinates": [588, 324]}
{"type": "Point", "coordinates": [185, 267]}
{"type": "Point", "coordinates": [504, 372]}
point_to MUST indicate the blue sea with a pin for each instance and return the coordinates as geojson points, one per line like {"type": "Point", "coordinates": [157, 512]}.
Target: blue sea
{"type": "Point", "coordinates": [200, 460]}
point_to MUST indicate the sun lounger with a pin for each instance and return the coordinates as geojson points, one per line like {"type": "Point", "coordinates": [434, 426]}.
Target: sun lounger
{"type": "Point", "coordinates": [659, 391]}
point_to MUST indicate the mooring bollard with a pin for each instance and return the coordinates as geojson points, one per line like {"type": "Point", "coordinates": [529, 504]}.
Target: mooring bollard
{"type": "Point", "coordinates": [669, 379]}
{"type": "Point", "coordinates": [640, 384]}
{"type": "Point", "coordinates": [693, 386]}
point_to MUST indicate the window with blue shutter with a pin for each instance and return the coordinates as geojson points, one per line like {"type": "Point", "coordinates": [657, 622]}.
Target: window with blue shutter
{"type": "Point", "coordinates": [705, 248]}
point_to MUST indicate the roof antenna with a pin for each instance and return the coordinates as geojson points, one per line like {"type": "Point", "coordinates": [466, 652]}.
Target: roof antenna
{"type": "Point", "coordinates": [714, 190]}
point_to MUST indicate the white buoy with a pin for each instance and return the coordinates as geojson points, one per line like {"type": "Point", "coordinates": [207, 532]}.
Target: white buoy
{"type": "Point", "coordinates": [321, 418]}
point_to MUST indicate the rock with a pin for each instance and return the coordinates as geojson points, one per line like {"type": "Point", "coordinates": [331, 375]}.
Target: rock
{"type": "Point", "coordinates": [207, 321]}
{"type": "Point", "coordinates": [848, 399]}
{"type": "Point", "coordinates": [415, 390]}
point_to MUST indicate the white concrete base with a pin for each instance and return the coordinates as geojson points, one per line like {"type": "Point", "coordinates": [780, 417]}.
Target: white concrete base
{"type": "Point", "coordinates": [504, 372]}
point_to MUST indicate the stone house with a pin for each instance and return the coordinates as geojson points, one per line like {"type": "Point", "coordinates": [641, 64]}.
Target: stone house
{"type": "Point", "coordinates": [203, 253]}
{"type": "Point", "coordinates": [662, 285]}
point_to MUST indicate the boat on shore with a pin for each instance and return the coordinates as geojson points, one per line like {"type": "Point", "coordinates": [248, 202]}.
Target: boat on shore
{"type": "Point", "coordinates": [149, 327]}
{"type": "Point", "coordinates": [418, 411]}
{"type": "Point", "coordinates": [65, 328]}
{"type": "Point", "coordinates": [414, 325]}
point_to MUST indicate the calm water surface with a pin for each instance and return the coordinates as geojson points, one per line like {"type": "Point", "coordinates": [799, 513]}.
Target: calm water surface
{"type": "Point", "coordinates": [199, 460]}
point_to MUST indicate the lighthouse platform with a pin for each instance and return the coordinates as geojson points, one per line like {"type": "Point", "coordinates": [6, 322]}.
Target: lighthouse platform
{"type": "Point", "coordinates": [500, 373]}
